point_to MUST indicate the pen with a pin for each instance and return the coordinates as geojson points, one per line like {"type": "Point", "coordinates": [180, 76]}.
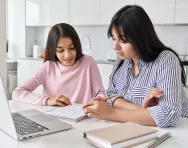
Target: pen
{"type": "Point", "coordinates": [94, 96]}
{"type": "Point", "coordinates": [97, 92]}
{"type": "Point", "coordinates": [159, 140]}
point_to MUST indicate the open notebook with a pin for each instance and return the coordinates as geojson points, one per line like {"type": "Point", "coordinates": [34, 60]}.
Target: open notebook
{"type": "Point", "coordinates": [120, 135]}
{"type": "Point", "coordinates": [72, 112]}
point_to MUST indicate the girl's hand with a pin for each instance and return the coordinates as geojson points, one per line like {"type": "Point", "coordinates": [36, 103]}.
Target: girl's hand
{"type": "Point", "coordinates": [98, 109]}
{"type": "Point", "coordinates": [58, 101]}
{"type": "Point", "coordinates": [151, 99]}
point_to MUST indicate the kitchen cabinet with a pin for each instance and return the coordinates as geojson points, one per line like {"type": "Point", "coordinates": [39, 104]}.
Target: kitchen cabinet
{"type": "Point", "coordinates": [105, 70]}
{"type": "Point", "coordinates": [32, 12]}
{"type": "Point", "coordinates": [181, 10]}
{"type": "Point", "coordinates": [109, 8]}
{"type": "Point", "coordinates": [100, 12]}
{"type": "Point", "coordinates": [159, 11]}
{"type": "Point", "coordinates": [186, 73]}
{"type": "Point", "coordinates": [46, 12]}
{"type": "Point", "coordinates": [186, 91]}
{"type": "Point", "coordinates": [186, 76]}
{"type": "Point", "coordinates": [84, 12]}
{"type": "Point", "coordinates": [26, 68]}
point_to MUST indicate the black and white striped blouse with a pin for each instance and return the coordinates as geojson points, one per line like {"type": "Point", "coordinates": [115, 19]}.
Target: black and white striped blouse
{"type": "Point", "coordinates": [163, 73]}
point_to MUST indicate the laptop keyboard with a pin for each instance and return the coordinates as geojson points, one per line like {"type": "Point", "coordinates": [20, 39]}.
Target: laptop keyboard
{"type": "Point", "coordinates": [25, 126]}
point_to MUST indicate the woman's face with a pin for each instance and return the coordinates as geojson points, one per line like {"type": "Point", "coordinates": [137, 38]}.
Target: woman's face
{"type": "Point", "coordinates": [124, 50]}
{"type": "Point", "coordinates": [65, 51]}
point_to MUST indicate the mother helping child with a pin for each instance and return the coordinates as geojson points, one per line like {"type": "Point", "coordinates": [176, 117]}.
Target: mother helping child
{"type": "Point", "coordinates": [147, 76]}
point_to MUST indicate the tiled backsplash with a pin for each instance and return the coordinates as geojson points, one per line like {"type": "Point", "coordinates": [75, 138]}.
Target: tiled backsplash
{"type": "Point", "coordinates": [175, 37]}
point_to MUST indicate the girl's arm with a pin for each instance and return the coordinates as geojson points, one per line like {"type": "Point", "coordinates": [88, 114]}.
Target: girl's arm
{"type": "Point", "coordinates": [24, 92]}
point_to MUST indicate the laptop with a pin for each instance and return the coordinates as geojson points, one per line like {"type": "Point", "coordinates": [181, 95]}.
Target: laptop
{"type": "Point", "coordinates": [26, 124]}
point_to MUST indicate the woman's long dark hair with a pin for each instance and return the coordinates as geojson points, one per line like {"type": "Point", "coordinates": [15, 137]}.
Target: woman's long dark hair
{"type": "Point", "coordinates": [61, 30]}
{"type": "Point", "coordinates": [133, 25]}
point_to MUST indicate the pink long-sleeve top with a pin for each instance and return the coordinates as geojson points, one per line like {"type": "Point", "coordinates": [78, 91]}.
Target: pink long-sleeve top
{"type": "Point", "coordinates": [79, 82]}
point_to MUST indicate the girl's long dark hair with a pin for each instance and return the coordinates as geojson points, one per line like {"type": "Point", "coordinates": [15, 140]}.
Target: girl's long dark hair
{"type": "Point", "coordinates": [61, 30]}
{"type": "Point", "coordinates": [133, 25]}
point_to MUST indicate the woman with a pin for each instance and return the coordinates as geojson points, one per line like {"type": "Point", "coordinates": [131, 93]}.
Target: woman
{"type": "Point", "coordinates": [67, 75]}
{"type": "Point", "coordinates": [147, 76]}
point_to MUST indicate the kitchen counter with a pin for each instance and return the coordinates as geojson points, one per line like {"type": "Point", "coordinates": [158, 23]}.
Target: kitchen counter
{"type": "Point", "coordinates": [97, 61]}
{"type": "Point", "coordinates": [30, 58]}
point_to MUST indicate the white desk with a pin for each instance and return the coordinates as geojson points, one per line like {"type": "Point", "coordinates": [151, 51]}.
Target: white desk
{"type": "Point", "coordinates": [73, 138]}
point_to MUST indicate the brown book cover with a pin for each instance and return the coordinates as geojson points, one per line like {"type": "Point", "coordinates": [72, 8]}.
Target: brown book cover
{"type": "Point", "coordinates": [120, 133]}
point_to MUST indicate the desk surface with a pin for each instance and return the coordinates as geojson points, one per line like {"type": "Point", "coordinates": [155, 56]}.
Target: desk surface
{"type": "Point", "coordinates": [74, 137]}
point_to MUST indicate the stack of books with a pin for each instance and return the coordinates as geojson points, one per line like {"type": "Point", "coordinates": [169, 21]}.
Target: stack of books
{"type": "Point", "coordinates": [121, 135]}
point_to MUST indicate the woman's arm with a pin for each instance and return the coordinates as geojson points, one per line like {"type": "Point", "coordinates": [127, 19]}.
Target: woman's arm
{"type": "Point", "coordinates": [168, 111]}
{"type": "Point", "coordinates": [165, 114]}
{"type": "Point", "coordinates": [101, 110]}
{"type": "Point", "coordinates": [24, 92]}
{"type": "Point", "coordinates": [149, 100]}
{"type": "Point", "coordinates": [124, 104]}
{"type": "Point", "coordinates": [140, 116]}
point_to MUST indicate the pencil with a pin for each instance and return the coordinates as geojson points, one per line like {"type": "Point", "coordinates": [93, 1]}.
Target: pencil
{"type": "Point", "coordinates": [104, 99]}
{"type": "Point", "coordinates": [94, 96]}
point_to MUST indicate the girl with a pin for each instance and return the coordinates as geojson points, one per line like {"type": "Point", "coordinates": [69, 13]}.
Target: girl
{"type": "Point", "coordinates": [147, 76]}
{"type": "Point", "coordinates": [67, 75]}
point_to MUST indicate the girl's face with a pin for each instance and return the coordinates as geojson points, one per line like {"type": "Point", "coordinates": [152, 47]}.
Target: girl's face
{"type": "Point", "coordinates": [124, 50]}
{"type": "Point", "coordinates": [65, 51]}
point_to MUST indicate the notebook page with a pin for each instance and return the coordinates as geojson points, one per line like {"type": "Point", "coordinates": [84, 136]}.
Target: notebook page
{"type": "Point", "coordinates": [72, 112]}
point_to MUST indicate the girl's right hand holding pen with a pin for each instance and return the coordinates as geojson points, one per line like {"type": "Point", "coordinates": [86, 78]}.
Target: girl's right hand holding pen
{"type": "Point", "coordinates": [58, 101]}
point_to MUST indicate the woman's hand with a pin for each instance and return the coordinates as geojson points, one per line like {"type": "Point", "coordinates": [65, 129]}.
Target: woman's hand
{"type": "Point", "coordinates": [58, 101]}
{"type": "Point", "coordinates": [151, 99]}
{"type": "Point", "coordinates": [98, 109]}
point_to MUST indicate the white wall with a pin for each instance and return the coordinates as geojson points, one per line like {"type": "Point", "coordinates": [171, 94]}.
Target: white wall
{"type": "Point", "coordinates": [99, 41]}
{"type": "Point", "coordinates": [3, 40]}
{"type": "Point", "coordinates": [100, 44]}
{"type": "Point", "coordinates": [174, 36]}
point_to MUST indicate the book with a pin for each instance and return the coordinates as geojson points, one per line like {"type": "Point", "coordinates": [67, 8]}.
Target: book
{"type": "Point", "coordinates": [121, 135]}
{"type": "Point", "coordinates": [72, 112]}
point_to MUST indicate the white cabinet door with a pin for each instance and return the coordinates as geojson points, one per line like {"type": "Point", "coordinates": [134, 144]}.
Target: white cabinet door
{"type": "Point", "coordinates": [105, 71]}
{"type": "Point", "coordinates": [84, 12]}
{"type": "Point", "coordinates": [181, 11]}
{"type": "Point", "coordinates": [32, 12]}
{"type": "Point", "coordinates": [25, 69]}
{"type": "Point", "coordinates": [46, 12]}
{"type": "Point", "coordinates": [186, 91]}
{"type": "Point", "coordinates": [159, 11]}
{"type": "Point", "coordinates": [110, 7]}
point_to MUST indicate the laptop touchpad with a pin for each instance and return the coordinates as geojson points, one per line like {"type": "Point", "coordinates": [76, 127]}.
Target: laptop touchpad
{"type": "Point", "coordinates": [41, 118]}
